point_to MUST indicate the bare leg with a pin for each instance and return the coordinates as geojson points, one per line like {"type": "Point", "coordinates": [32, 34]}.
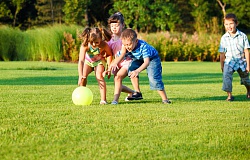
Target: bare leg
{"type": "Point", "coordinates": [229, 96]}
{"type": "Point", "coordinates": [121, 74]}
{"type": "Point", "coordinates": [163, 94]}
{"type": "Point", "coordinates": [135, 83]}
{"type": "Point", "coordinates": [86, 71]}
{"type": "Point", "coordinates": [100, 79]}
{"type": "Point", "coordinates": [125, 89]}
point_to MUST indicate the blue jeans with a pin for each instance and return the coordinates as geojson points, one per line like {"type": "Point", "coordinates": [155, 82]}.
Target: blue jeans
{"type": "Point", "coordinates": [154, 72]}
{"type": "Point", "coordinates": [228, 78]}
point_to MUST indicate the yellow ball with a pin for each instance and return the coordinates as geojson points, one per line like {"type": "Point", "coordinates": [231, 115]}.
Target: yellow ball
{"type": "Point", "coordinates": [82, 96]}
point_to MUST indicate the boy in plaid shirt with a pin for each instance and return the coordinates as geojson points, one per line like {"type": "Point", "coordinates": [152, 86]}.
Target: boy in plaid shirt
{"type": "Point", "coordinates": [234, 56]}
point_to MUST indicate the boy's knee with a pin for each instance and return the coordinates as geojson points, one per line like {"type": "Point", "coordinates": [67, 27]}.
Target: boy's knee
{"type": "Point", "coordinates": [245, 82]}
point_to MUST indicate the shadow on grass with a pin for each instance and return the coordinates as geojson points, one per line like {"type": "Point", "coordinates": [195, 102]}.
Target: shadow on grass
{"type": "Point", "coordinates": [45, 80]}
{"type": "Point", "coordinates": [238, 98]}
{"type": "Point", "coordinates": [220, 98]}
{"type": "Point", "coordinates": [172, 79]}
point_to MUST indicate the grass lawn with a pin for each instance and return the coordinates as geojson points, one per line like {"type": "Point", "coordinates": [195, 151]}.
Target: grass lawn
{"type": "Point", "coordinates": [39, 121]}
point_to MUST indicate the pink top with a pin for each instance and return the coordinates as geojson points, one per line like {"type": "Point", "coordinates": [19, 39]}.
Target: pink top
{"type": "Point", "coordinates": [115, 46]}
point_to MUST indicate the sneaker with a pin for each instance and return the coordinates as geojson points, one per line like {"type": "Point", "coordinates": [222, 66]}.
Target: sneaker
{"type": "Point", "coordinates": [126, 99]}
{"type": "Point", "coordinates": [103, 102]}
{"type": "Point", "coordinates": [166, 102]}
{"type": "Point", "coordinates": [135, 96]}
{"type": "Point", "coordinates": [114, 102]}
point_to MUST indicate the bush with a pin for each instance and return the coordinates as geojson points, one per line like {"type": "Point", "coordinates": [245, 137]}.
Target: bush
{"type": "Point", "coordinates": [60, 43]}
{"type": "Point", "coordinates": [183, 47]}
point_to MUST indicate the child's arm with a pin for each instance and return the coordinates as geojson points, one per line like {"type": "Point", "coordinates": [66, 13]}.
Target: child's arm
{"type": "Point", "coordinates": [247, 56]}
{"type": "Point", "coordinates": [222, 59]}
{"type": "Point", "coordinates": [81, 63]}
{"type": "Point", "coordinates": [109, 57]}
{"type": "Point", "coordinates": [118, 59]}
{"type": "Point", "coordinates": [144, 65]}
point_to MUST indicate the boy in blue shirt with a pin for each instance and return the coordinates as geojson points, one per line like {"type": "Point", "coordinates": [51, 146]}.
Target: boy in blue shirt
{"type": "Point", "coordinates": [234, 56]}
{"type": "Point", "coordinates": [145, 57]}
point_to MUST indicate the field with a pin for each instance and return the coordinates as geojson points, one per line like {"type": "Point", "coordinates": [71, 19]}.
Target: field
{"type": "Point", "coordinates": [39, 121]}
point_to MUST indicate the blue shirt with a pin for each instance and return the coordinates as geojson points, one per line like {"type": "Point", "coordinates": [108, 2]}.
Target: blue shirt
{"type": "Point", "coordinates": [144, 50]}
{"type": "Point", "coordinates": [234, 49]}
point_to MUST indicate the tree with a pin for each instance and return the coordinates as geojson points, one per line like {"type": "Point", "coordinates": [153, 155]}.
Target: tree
{"type": "Point", "coordinates": [5, 12]}
{"type": "Point", "coordinates": [75, 11]}
{"type": "Point", "coordinates": [199, 12]}
{"type": "Point", "coordinates": [49, 11]}
{"type": "Point", "coordinates": [223, 7]}
{"type": "Point", "coordinates": [18, 4]}
{"type": "Point", "coordinates": [148, 15]}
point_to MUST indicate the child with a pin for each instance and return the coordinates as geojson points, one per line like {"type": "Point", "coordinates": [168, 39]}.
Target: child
{"type": "Point", "coordinates": [116, 23]}
{"type": "Point", "coordinates": [93, 52]}
{"type": "Point", "coordinates": [234, 56]}
{"type": "Point", "coordinates": [145, 57]}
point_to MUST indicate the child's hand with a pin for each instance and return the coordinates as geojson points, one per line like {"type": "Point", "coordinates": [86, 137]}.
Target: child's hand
{"type": "Point", "coordinates": [109, 74]}
{"type": "Point", "coordinates": [113, 67]}
{"type": "Point", "coordinates": [134, 74]}
{"type": "Point", "coordinates": [106, 73]}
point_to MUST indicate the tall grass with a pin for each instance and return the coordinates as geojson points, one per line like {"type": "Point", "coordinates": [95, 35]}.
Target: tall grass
{"type": "Point", "coordinates": [37, 44]}
{"type": "Point", "coordinates": [39, 121]}
{"type": "Point", "coordinates": [60, 43]}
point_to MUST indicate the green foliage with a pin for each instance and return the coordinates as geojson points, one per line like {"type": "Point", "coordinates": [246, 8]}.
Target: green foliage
{"type": "Point", "coordinates": [184, 47]}
{"type": "Point", "coordinates": [37, 44]}
{"type": "Point", "coordinates": [5, 11]}
{"type": "Point", "coordinates": [13, 45]}
{"type": "Point", "coordinates": [70, 48]}
{"type": "Point", "coordinates": [75, 11]}
{"type": "Point", "coordinates": [39, 120]}
{"type": "Point", "coordinates": [163, 15]}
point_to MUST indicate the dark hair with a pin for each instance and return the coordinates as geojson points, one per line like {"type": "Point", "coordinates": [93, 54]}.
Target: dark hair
{"type": "Point", "coordinates": [129, 34]}
{"type": "Point", "coordinates": [231, 16]}
{"type": "Point", "coordinates": [91, 34]}
{"type": "Point", "coordinates": [116, 18]}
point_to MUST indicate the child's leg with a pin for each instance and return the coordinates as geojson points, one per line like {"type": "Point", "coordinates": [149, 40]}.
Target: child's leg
{"type": "Point", "coordinates": [135, 83]}
{"type": "Point", "coordinates": [245, 80]}
{"type": "Point", "coordinates": [121, 74]}
{"type": "Point", "coordinates": [163, 94]}
{"type": "Point", "coordinates": [99, 69]}
{"type": "Point", "coordinates": [86, 71]}
{"type": "Point", "coordinates": [227, 81]}
{"type": "Point", "coordinates": [154, 71]}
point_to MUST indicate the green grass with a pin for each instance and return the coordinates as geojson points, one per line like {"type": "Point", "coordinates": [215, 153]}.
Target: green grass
{"type": "Point", "coordinates": [39, 121]}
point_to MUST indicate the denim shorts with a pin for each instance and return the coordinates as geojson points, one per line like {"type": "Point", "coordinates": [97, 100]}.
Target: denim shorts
{"type": "Point", "coordinates": [154, 72]}
{"type": "Point", "coordinates": [228, 78]}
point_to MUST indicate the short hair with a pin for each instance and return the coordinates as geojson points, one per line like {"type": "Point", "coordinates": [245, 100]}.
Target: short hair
{"type": "Point", "coordinates": [129, 34]}
{"type": "Point", "coordinates": [116, 18]}
{"type": "Point", "coordinates": [231, 16]}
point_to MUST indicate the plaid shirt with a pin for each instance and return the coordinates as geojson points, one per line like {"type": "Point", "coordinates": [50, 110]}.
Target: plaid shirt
{"type": "Point", "coordinates": [234, 49]}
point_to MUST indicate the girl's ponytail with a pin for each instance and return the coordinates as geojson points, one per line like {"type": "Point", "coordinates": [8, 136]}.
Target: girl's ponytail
{"type": "Point", "coordinates": [106, 34]}
{"type": "Point", "coordinates": [84, 36]}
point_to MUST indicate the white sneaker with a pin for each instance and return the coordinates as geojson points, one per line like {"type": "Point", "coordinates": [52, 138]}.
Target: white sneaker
{"type": "Point", "coordinates": [114, 102]}
{"type": "Point", "coordinates": [103, 102]}
{"type": "Point", "coordinates": [126, 99]}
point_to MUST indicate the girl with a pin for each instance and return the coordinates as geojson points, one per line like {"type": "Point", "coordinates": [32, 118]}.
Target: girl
{"type": "Point", "coordinates": [116, 23]}
{"type": "Point", "coordinates": [93, 52]}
